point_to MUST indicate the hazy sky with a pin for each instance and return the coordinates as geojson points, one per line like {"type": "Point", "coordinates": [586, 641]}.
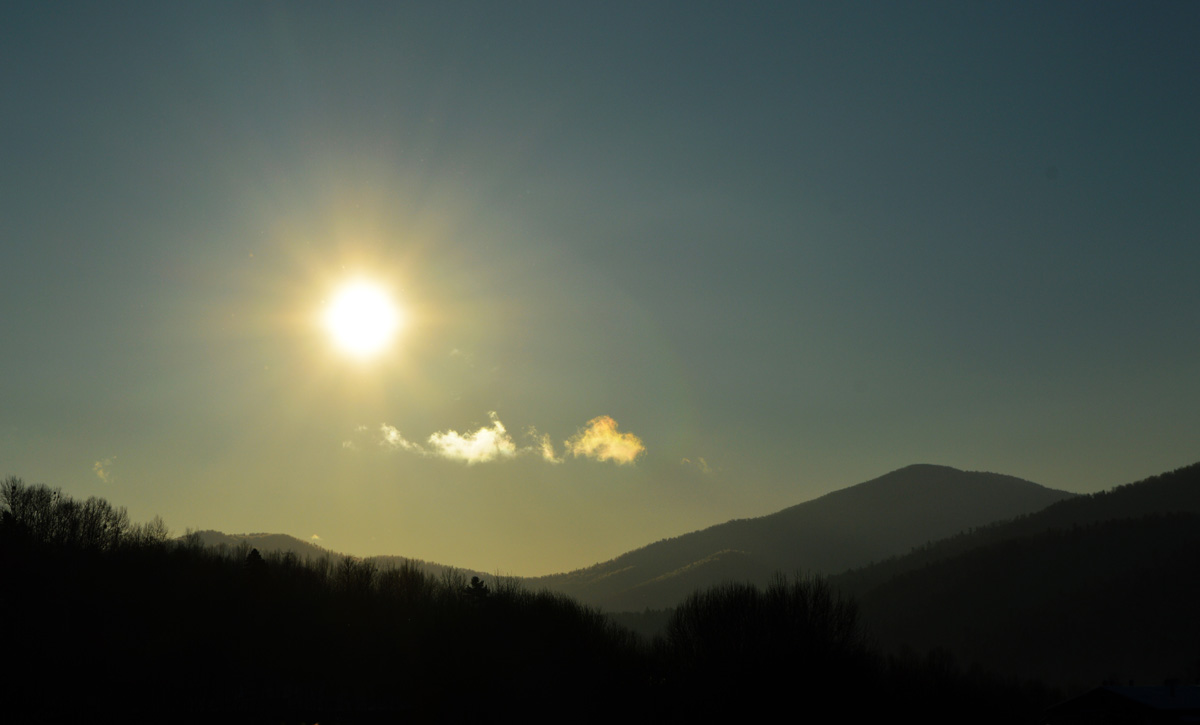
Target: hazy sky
{"type": "Point", "coordinates": [763, 250]}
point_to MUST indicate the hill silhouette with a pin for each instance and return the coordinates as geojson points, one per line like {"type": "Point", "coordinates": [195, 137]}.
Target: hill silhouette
{"type": "Point", "coordinates": [277, 543]}
{"type": "Point", "coordinates": [1094, 588]}
{"type": "Point", "coordinates": [1175, 492]}
{"type": "Point", "coordinates": [851, 527]}
{"type": "Point", "coordinates": [1089, 588]}
{"type": "Point", "coordinates": [114, 620]}
{"type": "Point", "coordinates": [847, 528]}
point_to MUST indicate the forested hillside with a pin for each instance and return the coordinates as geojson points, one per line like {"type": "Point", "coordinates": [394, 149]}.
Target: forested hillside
{"type": "Point", "coordinates": [1093, 588]}
{"type": "Point", "coordinates": [1176, 491]}
{"type": "Point", "coordinates": [109, 618]}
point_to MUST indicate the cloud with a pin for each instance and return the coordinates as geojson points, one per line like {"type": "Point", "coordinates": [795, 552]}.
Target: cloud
{"type": "Point", "coordinates": [488, 443]}
{"type": "Point", "coordinates": [601, 441]}
{"type": "Point", "coordinates": [102, 471]}
{"type": "Point", "coordinates": [392, 439]}
{"type": "Point", "coordinates": [699, 464]}
{"type": "Point", "coordinates": [542, 446]}
{"type": "Point", "coordinates": [315, 538]}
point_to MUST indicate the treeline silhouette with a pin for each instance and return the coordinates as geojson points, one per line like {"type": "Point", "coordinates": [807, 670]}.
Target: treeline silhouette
{"type": "Point", "coordinates": [106, 617]}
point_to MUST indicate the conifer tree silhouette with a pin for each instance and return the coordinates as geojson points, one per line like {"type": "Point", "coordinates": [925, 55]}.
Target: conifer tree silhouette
{"type": "Point", "coordinates": [477, 590]}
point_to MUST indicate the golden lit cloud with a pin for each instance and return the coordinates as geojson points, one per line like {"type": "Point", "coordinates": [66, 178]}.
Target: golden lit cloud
{"type": "Point", "coordinates": [601, 441]}
{"type": "Point", "coordinates": [488, 443]}
{"type": "Point", "coordinates": [699, 464]}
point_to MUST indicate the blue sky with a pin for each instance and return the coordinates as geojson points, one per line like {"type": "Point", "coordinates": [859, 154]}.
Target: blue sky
{"type": "Point", "coordinates": [787, 247]}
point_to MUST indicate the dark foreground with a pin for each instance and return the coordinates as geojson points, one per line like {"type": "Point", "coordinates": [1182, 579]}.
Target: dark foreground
{"type": "Point", "coordinates": [107, 618]}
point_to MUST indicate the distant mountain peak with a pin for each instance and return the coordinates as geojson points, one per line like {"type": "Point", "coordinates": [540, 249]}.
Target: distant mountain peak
{"type": "Point", "coordinates": [850, 527]}
{"type": "Point", "coordinates": [925, 467]}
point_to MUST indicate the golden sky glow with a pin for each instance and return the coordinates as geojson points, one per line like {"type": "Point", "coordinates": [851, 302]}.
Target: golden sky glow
{"type": "Point", "coordinates": [394, 273]}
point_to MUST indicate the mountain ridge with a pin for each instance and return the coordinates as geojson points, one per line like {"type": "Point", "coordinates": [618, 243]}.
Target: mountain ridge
{"type": "Point", "coordinates": [1098, 587]}
{"type": "Point", "coordinates": [846, 528]}
{"type": "Point", "coordinates": [1089, 587]}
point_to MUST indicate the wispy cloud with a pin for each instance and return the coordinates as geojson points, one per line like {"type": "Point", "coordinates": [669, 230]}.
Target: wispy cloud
{"type": "Point", "coordinates": [103, 469]}
{"type": "Point", "coordinates": [391, 438]}
{"type": "Point", "coordinates": [543, 446]}
{"type": "Point", "coordinates": [601, 441]}
{"type": "Point", "coordinates": [488, 443]}
{"type": "Point", "coordinates": [699, 464]}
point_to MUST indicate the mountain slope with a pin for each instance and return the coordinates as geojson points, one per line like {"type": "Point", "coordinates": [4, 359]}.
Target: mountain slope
{"type": "Point", "coordinates": [850, 527]}
{"type": "Point", "coordinates": [1109, 601]}
{"type": "Point", "coordinates": [1097, 587]}
{"type": "Point", "coordinates": [1175, 492]}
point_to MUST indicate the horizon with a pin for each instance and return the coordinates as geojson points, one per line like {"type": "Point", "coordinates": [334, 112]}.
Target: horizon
{"type": "Point", "coordinates": [525, 288]}
{"type": "Point", "coordinates": [246, 535]}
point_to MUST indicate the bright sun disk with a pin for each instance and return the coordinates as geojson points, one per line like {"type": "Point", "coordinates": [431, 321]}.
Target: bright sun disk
{"type": "Point", "coordinates": [361, 318]}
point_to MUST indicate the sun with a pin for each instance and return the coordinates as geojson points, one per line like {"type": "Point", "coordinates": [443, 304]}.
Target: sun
{"type": "Point", "coordinates": [362, 319]}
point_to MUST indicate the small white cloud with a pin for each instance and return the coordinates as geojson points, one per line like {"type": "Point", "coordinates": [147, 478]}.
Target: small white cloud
{"type": "Point", "coordinates": [601, 441]}
{"type": "Point", "coordinates": [315, 538]}
{"type": "Point", "coordinates": [488, 443]}
{"type": "Point", "coordinates": [103, 468]}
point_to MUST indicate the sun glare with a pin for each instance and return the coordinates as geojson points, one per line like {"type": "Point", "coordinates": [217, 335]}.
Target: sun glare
{"type": "Point", "coordinates": [362, 319]}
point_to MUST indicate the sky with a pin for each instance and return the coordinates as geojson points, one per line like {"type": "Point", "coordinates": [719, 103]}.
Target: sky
{"type": "Point", "coordinates": [658, 265]}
